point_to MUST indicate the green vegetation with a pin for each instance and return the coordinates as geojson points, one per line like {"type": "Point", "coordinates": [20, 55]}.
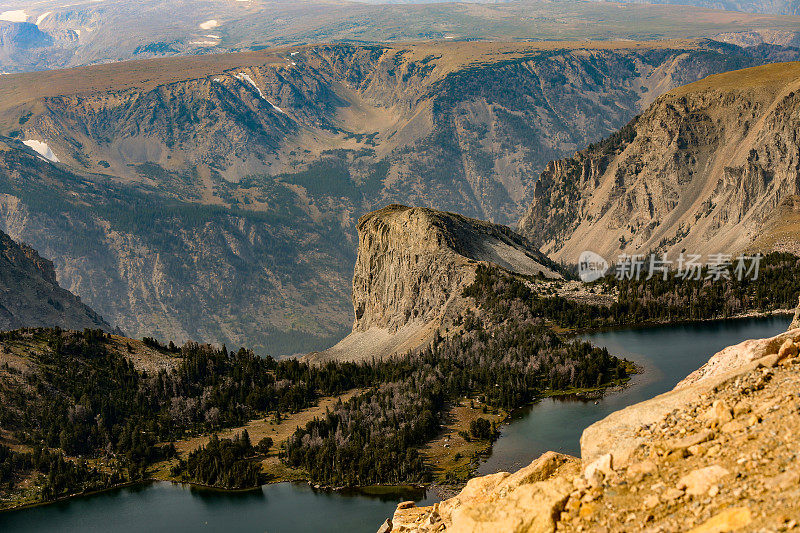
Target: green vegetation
{"type": "Point", "coordinates": [374, 437]}
{"type": "Point", "coordinates": [648, 301]}
{"type": "Point", "coordinates": [88, 419]}
{"type": "Point", "coordinates": [222, 463]}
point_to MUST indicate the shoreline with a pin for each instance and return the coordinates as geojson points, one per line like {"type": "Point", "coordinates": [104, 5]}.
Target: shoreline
{"type": "Point", "coordinates": [571, 333]}
{"type": "Point", "coordinates": [438, 488]}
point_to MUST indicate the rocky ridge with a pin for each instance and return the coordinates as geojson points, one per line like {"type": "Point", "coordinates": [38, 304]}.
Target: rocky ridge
{"type": "Point", "coordinates": [413, 264]}
{"type": "Point", "coordinates": [718, 453]}
{"type": "Point", "coordinates": [31, 297]}
{"type": "Point", "coordinates": [699, 171]}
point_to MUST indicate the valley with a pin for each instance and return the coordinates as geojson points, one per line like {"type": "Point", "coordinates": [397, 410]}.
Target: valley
{"type": "Point", "coordinates": [179, 182]}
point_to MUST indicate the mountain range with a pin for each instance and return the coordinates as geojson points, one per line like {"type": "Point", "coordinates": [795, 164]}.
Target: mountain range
{"type": "Point", "coordinates": [216, 196]}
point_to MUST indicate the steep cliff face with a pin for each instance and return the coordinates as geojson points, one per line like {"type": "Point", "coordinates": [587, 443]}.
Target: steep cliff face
{"type": "Point", "coordinates": [31, 297]}
{"type": "Point", "coordinates": [412, 261]}
{"type": "Point", "coordinates": [412, 267]}
{"type": "Point", "coordinates": [700, 171]}
{"type": "Point", "coordinates": [717, 453]}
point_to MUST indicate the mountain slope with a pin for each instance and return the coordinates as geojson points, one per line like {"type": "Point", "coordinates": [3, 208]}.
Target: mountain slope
{"type": "Point", "coordinates": [247, 172]}
{"type": "Point", "coordinates": [31, 297]}
{"type": "Point", "coordinates": [412, 266]}
{"type": "Point", "coordinates": [422, 121]}
{"type": "Point", "coordinates": [699, 171]}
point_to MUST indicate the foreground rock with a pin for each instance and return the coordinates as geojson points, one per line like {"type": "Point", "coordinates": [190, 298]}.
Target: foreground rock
{"type": "Point", "coordinates": [412, 266]}
{"type": "Point", "coordinates": [718, 453]}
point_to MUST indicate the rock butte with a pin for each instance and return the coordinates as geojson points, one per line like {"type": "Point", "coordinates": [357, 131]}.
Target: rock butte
{"type": "Point", "coordinates": [412, 266]}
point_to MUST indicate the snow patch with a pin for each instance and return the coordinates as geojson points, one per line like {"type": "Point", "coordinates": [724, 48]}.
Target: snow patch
{"type": "Point", "coordinates": [42, 149]}
{"type": "Point", "coordinates": [213, 36]}
{"type": "Point", "coordinates": [209, 24]}
{"type": "Point", "coordinates": [247, 79]}
{"type": "Point", "coordinates": [41, 17]}
{"type": "Point", "coordinates": [294, 53]}
{"type": "Point", "coordinates": [204, 43]}
{"type": "Point", "coordinates": [14, 15]}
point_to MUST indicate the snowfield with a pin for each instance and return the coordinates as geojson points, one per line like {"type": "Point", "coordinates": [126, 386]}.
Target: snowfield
{"type": "Point", "coordinates": [41, 17]}
{"type": "Point", "coordinates": [247, 79]}
{"type": "Point", "coordinates": [15, 15]}
{"type": "Point", "coordinates": [209, 24]}
{"type": "Point", "coordinates": [42, 149]}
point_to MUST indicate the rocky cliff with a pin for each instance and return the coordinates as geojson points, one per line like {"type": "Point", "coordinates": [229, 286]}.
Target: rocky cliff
{"type": "Point", "coordinates": [701, 170]}
{"type": "Point", "coordinates": [413, 264]}
{"type": "Point", "coordinates": [31, 297]}
{"type": "Point", "coordinates": [718, 453]}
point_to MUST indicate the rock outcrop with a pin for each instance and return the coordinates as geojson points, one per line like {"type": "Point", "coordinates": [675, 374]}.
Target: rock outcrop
{"type": "Point", "coordinates": [718, 453]}
{"type": "Point", "coordinates": [413, 264]}
{"type": "Point", "coordinates": [31, 297]}
{"type": "Point", "coordinates": [699, 171]}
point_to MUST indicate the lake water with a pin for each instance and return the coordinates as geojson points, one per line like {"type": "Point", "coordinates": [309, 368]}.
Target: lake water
{"type": "Point", "coordinates": [667, 354]}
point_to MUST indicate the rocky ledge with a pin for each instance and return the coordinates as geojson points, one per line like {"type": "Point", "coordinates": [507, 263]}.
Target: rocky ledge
{"type": "Point", "coordinates": [718, 453]}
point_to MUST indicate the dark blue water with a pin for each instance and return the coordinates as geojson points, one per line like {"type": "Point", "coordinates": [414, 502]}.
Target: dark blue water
{"type": "Point", "coordinates": [667, 354]}
{"type": "Point", "coordinates": [173, 508]}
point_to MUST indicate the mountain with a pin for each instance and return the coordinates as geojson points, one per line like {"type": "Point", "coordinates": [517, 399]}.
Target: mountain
{"type": "Point", "coordinates": [780, 229]}
{"type": "Point", "coordinates": [31, 297]}
{"type": "Point", "coordinates": [216, 197]}
{"type": "Point", "coordinates": [412, 267]}
{"type": "Point", "coordinates": [49, 34]}
{"type": "Point", "coordinates": [701, 170]}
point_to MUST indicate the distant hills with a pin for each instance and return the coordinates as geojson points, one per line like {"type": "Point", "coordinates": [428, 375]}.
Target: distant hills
{"type": "Point", "coordinates": [777, 7]}
{"type": "Point", "coordinates": [50, 34]}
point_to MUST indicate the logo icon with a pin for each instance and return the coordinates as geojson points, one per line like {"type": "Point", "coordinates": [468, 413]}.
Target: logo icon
{"type": "Point", "coordinates": [591, 266]}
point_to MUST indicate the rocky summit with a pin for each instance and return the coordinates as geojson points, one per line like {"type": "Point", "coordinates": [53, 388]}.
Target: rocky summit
{"type": "Point", "coordinates": [412, 266]}
{"type": "Point", "coordinates": [718, 453]}
{"type": "Point", "coordinates": [30, 295]}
